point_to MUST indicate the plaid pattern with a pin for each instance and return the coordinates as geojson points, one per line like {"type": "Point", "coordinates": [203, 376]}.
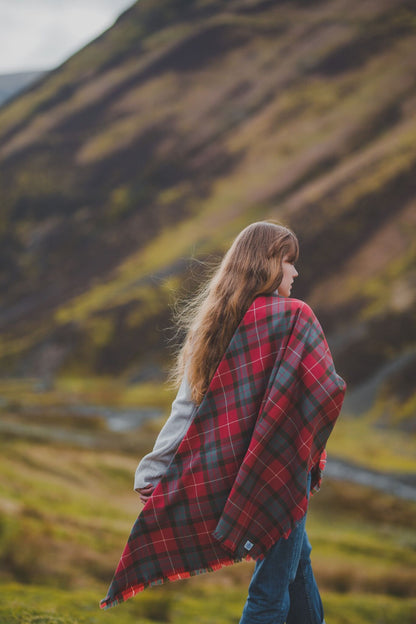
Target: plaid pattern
{"type": "Point", "coordinates": [238, 480]}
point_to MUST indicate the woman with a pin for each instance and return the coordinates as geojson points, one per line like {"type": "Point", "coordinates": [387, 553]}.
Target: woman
{"type": "Point", "coordinates": [231, 471]}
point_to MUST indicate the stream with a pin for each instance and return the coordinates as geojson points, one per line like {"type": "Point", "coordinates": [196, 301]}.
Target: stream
{"type": "Point", "coordinates": [401, 486]}
{"type": "Point", "coordinates": [119, 420]}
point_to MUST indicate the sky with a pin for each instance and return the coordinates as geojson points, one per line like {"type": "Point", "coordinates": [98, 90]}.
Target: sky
{"type": "Point", "coordinates": [41, 34]}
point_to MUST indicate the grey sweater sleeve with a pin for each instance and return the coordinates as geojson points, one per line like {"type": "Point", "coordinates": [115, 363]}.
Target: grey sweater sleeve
{"type": "Point", "coordinates": [154, 464]}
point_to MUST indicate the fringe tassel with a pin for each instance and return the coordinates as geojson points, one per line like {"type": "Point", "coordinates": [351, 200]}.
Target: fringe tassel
{"type": "Point", "coordinates": [107, 603]}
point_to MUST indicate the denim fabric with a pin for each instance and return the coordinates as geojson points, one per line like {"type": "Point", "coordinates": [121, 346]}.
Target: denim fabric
{"type": "Point", "coordinates": [283, 587]}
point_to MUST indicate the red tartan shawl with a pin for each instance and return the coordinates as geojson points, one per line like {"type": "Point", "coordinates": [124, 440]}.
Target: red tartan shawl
{"type": "Point", "coordinates": [238, 481]}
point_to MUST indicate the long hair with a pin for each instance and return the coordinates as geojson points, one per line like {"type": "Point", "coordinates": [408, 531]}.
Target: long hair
{"type": "Point", "coordinates": [251, 267]}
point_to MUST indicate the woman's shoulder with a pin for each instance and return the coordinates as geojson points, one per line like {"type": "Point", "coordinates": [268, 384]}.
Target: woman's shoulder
{"type": "Point", "coordinates": [278, 303]}
{"type": "Point", "coordinates": [298, 304]}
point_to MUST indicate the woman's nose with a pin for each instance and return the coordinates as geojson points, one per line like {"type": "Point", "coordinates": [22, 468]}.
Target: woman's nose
{"type": "Point", "coordinates": [295, 274]}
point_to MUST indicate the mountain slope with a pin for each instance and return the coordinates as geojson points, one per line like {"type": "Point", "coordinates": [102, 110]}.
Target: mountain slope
{"type": "Point", "coordinates": [177, 127]}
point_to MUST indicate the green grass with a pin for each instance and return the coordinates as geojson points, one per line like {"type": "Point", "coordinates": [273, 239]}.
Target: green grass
{"type": "Point", "coordinates": [359, 440]}
{"type": "Point", "coordinates": [364, 545]}
{"type": "Point", "coordinates": [66, 511]}
{"type": "Point", "coordinates": [42, 605]}
{"type": "Point", "coordinates": [67, 390]}
{"type": "Point", "coordinates": [211, 604]}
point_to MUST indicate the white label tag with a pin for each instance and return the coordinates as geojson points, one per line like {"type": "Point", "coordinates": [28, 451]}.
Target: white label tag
{"type": "Point", "coordinates": [248, 545]}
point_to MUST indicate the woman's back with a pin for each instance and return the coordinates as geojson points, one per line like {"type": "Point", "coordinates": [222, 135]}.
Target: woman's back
{"type": "Point", "coordinates": [238, 481]}
{"type": "Point", "coordinates": [230, 474]}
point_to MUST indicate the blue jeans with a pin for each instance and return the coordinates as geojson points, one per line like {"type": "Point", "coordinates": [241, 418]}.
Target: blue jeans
{"type": "Point", "coordinates": [283, 587]}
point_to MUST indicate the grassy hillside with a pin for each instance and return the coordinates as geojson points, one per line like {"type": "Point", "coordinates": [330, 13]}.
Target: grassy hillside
{"type": "Point", "coordinates": [155, 144]}
{"type": "Point", "coordinates": [66, 509]}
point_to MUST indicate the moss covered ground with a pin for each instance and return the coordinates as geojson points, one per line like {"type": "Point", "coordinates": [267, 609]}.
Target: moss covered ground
{"type": "Point", "coordinates": [212, 604]}
{"type": "Point", "coordinates": [67, 506]}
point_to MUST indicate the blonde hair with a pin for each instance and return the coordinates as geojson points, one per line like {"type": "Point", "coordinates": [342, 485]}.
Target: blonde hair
{"type": "Point", "coordinates": [252, 266]}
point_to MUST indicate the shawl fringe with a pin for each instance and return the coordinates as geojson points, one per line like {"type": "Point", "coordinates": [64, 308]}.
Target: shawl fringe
{"type": "Point", "coordinates": [178, 576]}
